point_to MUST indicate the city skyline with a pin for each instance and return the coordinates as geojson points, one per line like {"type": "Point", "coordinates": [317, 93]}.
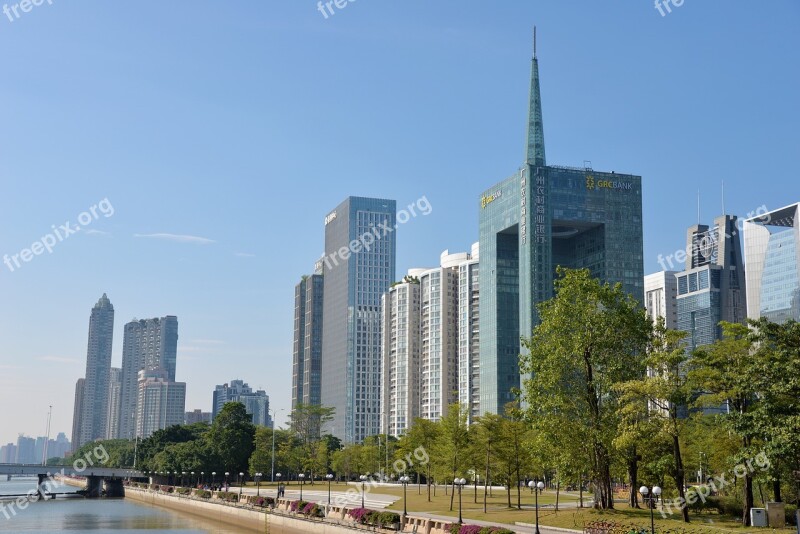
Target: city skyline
{"type": "Point", "coordinates": [207, 222]}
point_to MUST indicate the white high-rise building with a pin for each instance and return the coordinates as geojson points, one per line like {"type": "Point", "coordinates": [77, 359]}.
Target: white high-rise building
{"type": "Point", "coordinates": [439, 336]}
{"type": "Point", "coordinates": [400, 345]}
{"type": "Point", "coordinates": [469, 364]}
{"type": "Point", "coordinates": [147, 345]}
{"type": "Point", "coordinates": [660, 297]}
{"type": "Point", "coordinates": [423, 345]}
{"type": "Point", "coordinates": [161, 402]}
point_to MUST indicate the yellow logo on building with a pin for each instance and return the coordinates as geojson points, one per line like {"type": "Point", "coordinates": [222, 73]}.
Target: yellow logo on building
{"type": "Point", "coordinates": [589, 181]}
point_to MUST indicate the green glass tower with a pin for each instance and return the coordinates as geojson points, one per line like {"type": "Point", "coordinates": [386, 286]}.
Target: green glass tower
{"type": "Point", "coordinates": [542, 217]}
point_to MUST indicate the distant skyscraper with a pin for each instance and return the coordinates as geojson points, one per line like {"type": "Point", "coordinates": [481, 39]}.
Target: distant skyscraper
{"type": "Point", "coordinates": [256, 403]}
{"type": "Point", "coordinates": [359, 266]}
{"type": "Point", "coordinates": [8, 454]}
{"type": "Point", "coordinates": [161, 402]}
{"type": "Point", "coordinates": [94, 417]}
{"type": "Point", "coordinates": [772, 257]}
{"type": "Point", "coordinates": [401, 352]}
{"type": "Point", "coordinates": [541, 217]}
{"type": "Point", "coordinates": [197, 416]}
{"type": "Point", "coordinates": [307, 351]}
{"type": "Point", "coordinates": [77, 413]}
{"type": "Point", "coordinates": [660, 297]}
{"type": "Point", "coordinates": [114, 392]}
{"type": "Point", "coordinates": [469, 362]}
{"type": "Point", "coordinates": [26, 451]}
{"type": "Point", "coordinates": [148, 345]}
{"type": "Point", "coordinates": [712, 287]}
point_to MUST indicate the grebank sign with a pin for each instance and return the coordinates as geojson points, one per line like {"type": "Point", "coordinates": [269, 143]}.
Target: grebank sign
{"type": "Point", "coordinates": [592, 184]}
{"type": "Point", "coordinates": [488, 199]}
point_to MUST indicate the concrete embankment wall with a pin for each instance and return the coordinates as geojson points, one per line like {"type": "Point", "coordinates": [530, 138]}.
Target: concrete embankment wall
{"type": "Point", "coordinates": [242, 518]}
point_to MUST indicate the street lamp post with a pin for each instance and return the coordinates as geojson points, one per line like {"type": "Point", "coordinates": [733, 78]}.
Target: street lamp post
{"type": "Point", "coordinates": [241, 483]}
{"type": "Point", "coordinates": [272, 479]}
{"type": "Point", "coordinates": [203, 478]}
{"type": "Point", "coordinates": [363, 479]}
{"type": "Point", "coordinates": [227, 474]}
{"type": "Point", "coordinates": [302, 478]}
{"type": "Point", "coordinates": [193, 480]}
{"type": "Point", "coordinates": [404, 480]}
{"type": "Point", "coordinates": [536, 487]}
{"type": "Point", "coordinates": [329, 476]}
{"type": "Point", "coordinates": [650, 497]}
{"type": "Point", "coordinates": [183, 477]}
{"type": "Point", "coordinates": [258, 484]}
{"type": "Point", "coordinates": [460, 483]}
{"type": "Point", "coordinates": [213, 477]}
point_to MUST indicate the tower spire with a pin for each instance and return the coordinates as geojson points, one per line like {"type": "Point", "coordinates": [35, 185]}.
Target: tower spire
{"type": "Point", "coordinates": [535, 143]}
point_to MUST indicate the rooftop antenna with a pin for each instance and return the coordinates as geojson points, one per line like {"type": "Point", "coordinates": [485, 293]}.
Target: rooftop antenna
{"type": "Point", "coordinates": [534, 42]}
{"type": "Point", "coordinates": [698, 206]}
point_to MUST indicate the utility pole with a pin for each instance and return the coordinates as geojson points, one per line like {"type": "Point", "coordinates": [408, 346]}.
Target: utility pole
{"type": "Point", "coordinates": [47, 436]}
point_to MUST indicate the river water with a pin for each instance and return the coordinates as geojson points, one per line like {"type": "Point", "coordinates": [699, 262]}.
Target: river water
{"type": "Point", "coordinates": [95, 516]}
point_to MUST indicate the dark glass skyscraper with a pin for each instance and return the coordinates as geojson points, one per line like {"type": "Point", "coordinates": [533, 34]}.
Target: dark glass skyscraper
{"type": "Point", "coordinates": [541, 217]}
{"type": "Point", "coordinates": [358, 267]}
{"type": "Point", "coordinates": [94, 411]}
{"type": "Point", "coordinates": [307, 348]}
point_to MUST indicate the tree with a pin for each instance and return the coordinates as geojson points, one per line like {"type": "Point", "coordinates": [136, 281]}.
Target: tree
{"type": "Point", "coordinates": [722, 371]}
{"type": "Point", "coordinates": [452, 442]}
{"type": "Point", "coordinates": [306, 422]}
{"type": "Point", "coordinates": [591, 337]}
{"type": "Point", "coordinates": [423, 433]}
{"type": "Point", "coordinates": [232, 437]}
{"type": "Point", "coordinates": [653, 404]}
{"type": "Point", "coordinates": [487, 435]}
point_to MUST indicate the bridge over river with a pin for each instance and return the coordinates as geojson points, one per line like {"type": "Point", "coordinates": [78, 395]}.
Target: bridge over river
{"type": "Point", "coordinates": [96, 476]}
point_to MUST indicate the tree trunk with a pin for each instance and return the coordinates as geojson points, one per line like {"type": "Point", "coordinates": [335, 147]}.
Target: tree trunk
{"type": "Point", "coordinates": [558, 490]}
{"type": "Point", "coordinates": [475, 490]}
{"type": "Point", "coordinates": [519, 490]}
{"type": "Point", "coordinates": [633, 478]}
{"type": "Point", "coordinates": [776, 489]}
{"type": "Point", "coordinates": [580, 490]}
{"type": "Point", "coordinates": [680, 477]}
{"type": "Point", "coordinates": [748, 499]}
{"type": "Point", "coordinates": [486, 482]}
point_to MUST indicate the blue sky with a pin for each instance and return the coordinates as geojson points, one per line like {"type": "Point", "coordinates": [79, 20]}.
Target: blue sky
{"type": "Point", "coordinates": [244, 123]}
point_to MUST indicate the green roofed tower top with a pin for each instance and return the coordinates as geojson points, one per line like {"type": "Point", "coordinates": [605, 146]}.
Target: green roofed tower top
{"type": "Point", "coordinates": [535, 149]}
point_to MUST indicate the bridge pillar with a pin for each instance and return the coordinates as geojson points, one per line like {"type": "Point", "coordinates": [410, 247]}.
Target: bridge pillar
{"type": "Point", "coordinates": [94, 487]}
{"type": "Point", "coordinates": [40, 487]}
{"type": "Point", "coordinates": [8, 479]}
{"type": "Point", "coordinates": [114, 487]}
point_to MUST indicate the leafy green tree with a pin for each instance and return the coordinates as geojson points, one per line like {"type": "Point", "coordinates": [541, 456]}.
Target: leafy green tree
{"type": "Point", "coordinates": [232, 437]}
{"type": "Point", "coordinates": [654, 403]}
{"type": "Point", "coordinates": [422, 434]}
{"type": "Point", "coordinates": [722, 371]}
{"type": "Point", "coordinates": [306, 422]}
{"type": "Point", "coordinates": [120, 452]}
{"type": "Point", "coordinates": [452, 443]}
{"type": "Point", "coordinates": [486, 433]}
{"type": "Point", "coordinates": [591, 337]}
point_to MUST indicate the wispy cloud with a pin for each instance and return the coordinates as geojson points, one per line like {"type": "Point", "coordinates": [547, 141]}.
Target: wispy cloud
{"type": "Point", "coordinates": [245, 255]}
{"type": "Point", "coordinates": [92, 231]}
{"type": "Point", "coordinates": [178, 238]}
{"type": "Point", "coordinates": [57, 359]}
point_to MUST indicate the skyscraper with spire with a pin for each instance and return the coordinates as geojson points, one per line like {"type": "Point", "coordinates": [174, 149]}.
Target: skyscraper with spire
{"type": "Point", "coordinates": [94, 408]}
{"type": "Point", "coordinates": [541, 217]}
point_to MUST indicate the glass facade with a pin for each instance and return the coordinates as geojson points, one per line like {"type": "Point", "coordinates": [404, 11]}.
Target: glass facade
{"type": "Point", "coordinates": [358, 266]}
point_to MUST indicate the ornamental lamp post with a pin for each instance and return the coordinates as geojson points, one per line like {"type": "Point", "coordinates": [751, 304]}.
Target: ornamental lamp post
{"type": "Point", "coordinates": [536, 487]}
{"type": "Point", "coordinates": [404, 480]}
{"type": "Point", "coordinates": [460, 483]}
{"type": "Point", "coordinates": [363, 479]}
{"type": "Point", "coordinates": [227, 474]}
{"type": "Point", "coordinates": [258, 484]}
{"type": "Point", "coordinates": [329, 476]}
{"type": "Point", "coordinates": [213, 477]}
{"type": "Point", "coordinates": [241, 483]}
{"type": "Point", "coordinates": [650, 497]}
{"type": "Point", "coordinates": [302, 478]}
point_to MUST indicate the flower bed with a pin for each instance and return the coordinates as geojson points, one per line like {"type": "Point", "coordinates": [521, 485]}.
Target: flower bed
{"type": "Point", "coordinates": [203, 494]}
{"type": "Point", "coordinates": [374, 518]}
{"type": "Point", "coordinates": [228, 496]}
{"type": "Point", "coordinates": [312, 510]}
{"type": "Point", "coordinates": [454, 528]}
{"type": "Point", "coordinates": [167, 489]}
{"type": "Point", "coordinates": [261, 501]}
{"type": "Point", "coordinates": [294, 506]}
{"type": "Point", "coordinates": [184, 491]}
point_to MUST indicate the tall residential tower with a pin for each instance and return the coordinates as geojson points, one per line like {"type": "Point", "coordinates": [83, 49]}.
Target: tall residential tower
{"type": "Point", "coordinates": [94, 411]}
